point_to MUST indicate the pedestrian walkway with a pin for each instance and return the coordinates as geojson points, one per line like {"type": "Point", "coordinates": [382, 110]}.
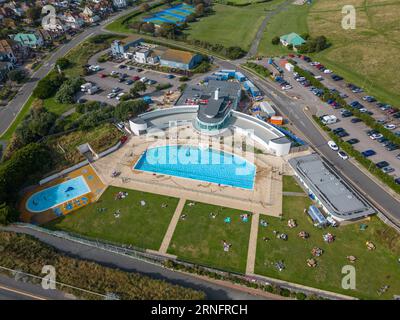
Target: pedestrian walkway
{"type": "Point", "coordinates": [251, 253]}
{"type": "Point", "coordinates": [294, 194]}
{"type": "Point", "coordinates": [172, 225]}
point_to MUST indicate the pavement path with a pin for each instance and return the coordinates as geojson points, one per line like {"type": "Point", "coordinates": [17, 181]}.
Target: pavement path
{"type": "Point", "coordinates": [172, 225]}
{"type": "Point", "coordinates": [294, 194]}
{"type": "Point", "coordinates": [251, 253]}
{"type": "Point", "coordinates": [256, 41]}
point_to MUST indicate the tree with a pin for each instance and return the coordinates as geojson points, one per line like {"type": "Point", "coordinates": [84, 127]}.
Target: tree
{"type": "Point", "coordinates": [63, 63]}
{"type": "Point", "coordinates": [139, 86]}
{"type": "Point", "coordinates": [191, 18]}
{"type": "Point", "coordinates": [144, 7]}
{"type": "Point", "coordinates": [167, 30]}
{"type": "Point", "coordinates": [200, 9]}
{"type": "Point", "coordinates": [275, 40]}
{"type": "Point", "coordinates": [17, 75]}
{"type": "Point", "coordinates": [148, 27]}
{"type": "Point", "coordinates": [33, 13]}
{"type": "Point", "coordinates": [7, 214]}
{"type": "Point", "coordinates": [128, 109]}
{"type": "Point", "coordinates": [48, 86]}
{"type": "Point", "coordinates": [66, 93]}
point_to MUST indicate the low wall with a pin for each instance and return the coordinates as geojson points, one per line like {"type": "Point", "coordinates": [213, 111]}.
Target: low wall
{"type": "Point", "coordinates": [61, 173]}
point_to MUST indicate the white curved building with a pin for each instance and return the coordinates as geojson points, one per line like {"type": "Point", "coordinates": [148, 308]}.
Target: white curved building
{"type": "Point", "coordinates": [211, 111]}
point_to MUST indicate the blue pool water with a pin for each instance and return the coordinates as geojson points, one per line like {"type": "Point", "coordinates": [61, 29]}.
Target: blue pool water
{"type": "Point", "coordinates": [58, 194]}
{"type": "Point", "coordinates": [200, 164]}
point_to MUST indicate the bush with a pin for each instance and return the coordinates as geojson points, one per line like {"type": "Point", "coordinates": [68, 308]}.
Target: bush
{"type": "Point", "coordinates": [24, 163]}
{"type": "Point", "coordinates": [163, 86]}
{"type": "Point", "coordinates": [275, 40]}
{"type": "Point", "coordinates": [300, 296]}
{"type": "Point", "coordinates": [63, 63]}
{"type": "Point", "coordinates": [66, 93]}
{"type": "Point", "coordinates": [261, 70]}
{"type": "Point", "coordinates": [128, 109]}
{"type": "Point", "coordinates": [17, 75]}
{"type": "Point", "coordinates": [184, 79]}
{"type": "Point", "coordinates": [49, 85]}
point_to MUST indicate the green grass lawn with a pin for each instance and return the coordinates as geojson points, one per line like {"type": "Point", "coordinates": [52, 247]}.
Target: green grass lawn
{"type": "Point", "coordinates": [230, 25]}
{"type": "Point", "coordinates": [294, 19]}
{"type": "Point", "coordinates": [373, 268]}
{"type": "Point", "coordinates": [290, 184]}
{"type": "Point", "coordinates": [199, 237]}
{"type": "Point", "coordinates": [56, 107]}
{"type": "Point", "coordinates": [140, 226]}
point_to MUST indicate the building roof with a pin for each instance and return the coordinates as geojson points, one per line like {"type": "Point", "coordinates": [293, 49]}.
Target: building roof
{"type": "Point", "coordinates": [7, 45]}
{"type": "Point", "coordinates": [293, 39]}
{"type": "Point", "coordinates": [26, 38]}
{"type": "Point", "coordinates": [336, 195]}
{"type": "Point", "coordinates": [177, 56]}
{"type": "Point", "coordinates": [131, 38]}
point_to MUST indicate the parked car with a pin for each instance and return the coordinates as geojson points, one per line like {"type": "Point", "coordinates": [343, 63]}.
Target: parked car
{"type": "Point", "coordinates": [116, 90]}
{"type": "Point", "coordinates": [119, 96]}
{"type": "Point", "coordinates": [387, 170]}
{"type": "Point", "coordinates": [333, 145]}
{"type": "Point", "coordinates": [382, 164]}
{"type": "Point", "coordinates": [376, 136]}
{"type": "Point", "coordinates": [397, 180]}
{"type": "Point", "coordinates": [355, 120]}
{"type": "Point", "coordinates": [343, 155]}
{"type": "Point", "coordinates": [112, 95]}
{"type": "Point", "coordinates": [129, 82]}
{"type": "Point", "coordinates": [392, 146]}
{"type": "Point", "coordinates": [353, 141]}
{"type": "Point", "coordinates": [368, 153]}
{"type": "Point", "coordinates": [390, 126]}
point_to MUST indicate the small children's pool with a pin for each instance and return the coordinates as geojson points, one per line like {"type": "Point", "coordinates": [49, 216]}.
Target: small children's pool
{"type": "Point", "coordinates": [202, 164]}
{"type": "Point", "coordinates": [58, 194]}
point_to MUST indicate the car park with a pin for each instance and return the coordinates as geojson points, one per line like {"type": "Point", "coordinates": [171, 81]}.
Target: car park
{"type": "Point", "coordinates": [343, 155]}
{"type": "Point", "coordinates": [333, 145]}
{"type": "Point", "coordinates": [368, 153]}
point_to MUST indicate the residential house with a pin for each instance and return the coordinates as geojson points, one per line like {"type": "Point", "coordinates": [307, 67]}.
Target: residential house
{"type": "Point", "coordinates": [120, 4]}
{"type": "Point", "coordinates": [73, 20]}
{"type": "Point", "coordinates": [146, 56]}
{"type": "Point", "coordinates": [11, 51]}
{"type": "Point", "coordinates": [5, 68]}
{"type": "Point", "coordinates": [120, 47]}
{"type": "Point", "coordinates": [179, 59]}
{"type": "Point", "coordinates": [89, 16]}
{"type": "Point", "coordinates": [292, 39]}
{"type": "Point", "coordinates": [30, 40]}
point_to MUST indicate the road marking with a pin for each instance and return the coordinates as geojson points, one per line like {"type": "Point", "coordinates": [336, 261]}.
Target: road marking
{"type": "Point", "coordinates": [22, 293]}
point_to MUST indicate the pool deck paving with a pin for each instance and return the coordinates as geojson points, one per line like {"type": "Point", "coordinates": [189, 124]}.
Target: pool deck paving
{"type": "Point", "coordinates": [172, 225]}
{"type": "Point", "coordinates": [265, 197]}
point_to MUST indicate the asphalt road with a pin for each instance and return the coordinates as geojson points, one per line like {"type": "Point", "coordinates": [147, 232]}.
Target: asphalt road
{"type": "Point", "coordinates": [377, 195]}
{"type": "Point", "coordinates": [213, 291]}
{"type": "Point", "coordinates": [8, 113]}
{"type": "Point", "coordinates": [11, 289]}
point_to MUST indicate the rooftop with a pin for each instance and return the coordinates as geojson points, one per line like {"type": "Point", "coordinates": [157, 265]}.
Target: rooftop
{"type": "Point", "coordinates": [336, 195]}
{"type": "Point", "coordinates": [177, 56]}
{"type": "Point", "coordinates": [293, 38]}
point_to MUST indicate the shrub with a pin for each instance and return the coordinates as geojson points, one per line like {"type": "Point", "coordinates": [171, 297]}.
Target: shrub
{"type": "Point", "coordinates": [275, 40]}
{"type": "Point", "coordinates": [49, 85]}
{"type": "Point", "coordinates": [63, 63]}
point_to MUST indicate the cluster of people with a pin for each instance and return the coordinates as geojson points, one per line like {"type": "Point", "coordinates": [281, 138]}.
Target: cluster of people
{"type": "Point", "coordinates": [303, 235]}
{"type": "Point", "coordinates": [312, 263]}
{"type": "Point", "coordinates": [291, 223]}
{"type": "Point", "coordinates": [263, 223]}
{"type": "Point", "coordinates": [226, 245]}
{"type": "Point", "coordinates": [244, 217]}
{"type": "Point", "coordinates": [370, 245]}
{"type": "Point", "coordinates": [115, 174]}
{"type": "Point", "coordinates": [117, 213]}
{"type": "Point", "coordinates": [121, 195]}
{"type": "Point", "coordinates": [282, 236]}
{"type": "Point", "coordinates": [317, 252]}
{"type": "Point", "coordinates": [328, 237]}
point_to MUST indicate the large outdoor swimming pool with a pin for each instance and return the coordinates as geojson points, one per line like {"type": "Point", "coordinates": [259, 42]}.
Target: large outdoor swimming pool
{"type": "Point", "coordinates": [202, 164]}
{"type": "Point", "coordinates": [58, 194]}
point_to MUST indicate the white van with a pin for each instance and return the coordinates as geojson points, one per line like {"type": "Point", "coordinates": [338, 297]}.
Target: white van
{"type": "Point", "coordinates": [144, 79]}
{"type": "Point", "coordinates": [330, 119]}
